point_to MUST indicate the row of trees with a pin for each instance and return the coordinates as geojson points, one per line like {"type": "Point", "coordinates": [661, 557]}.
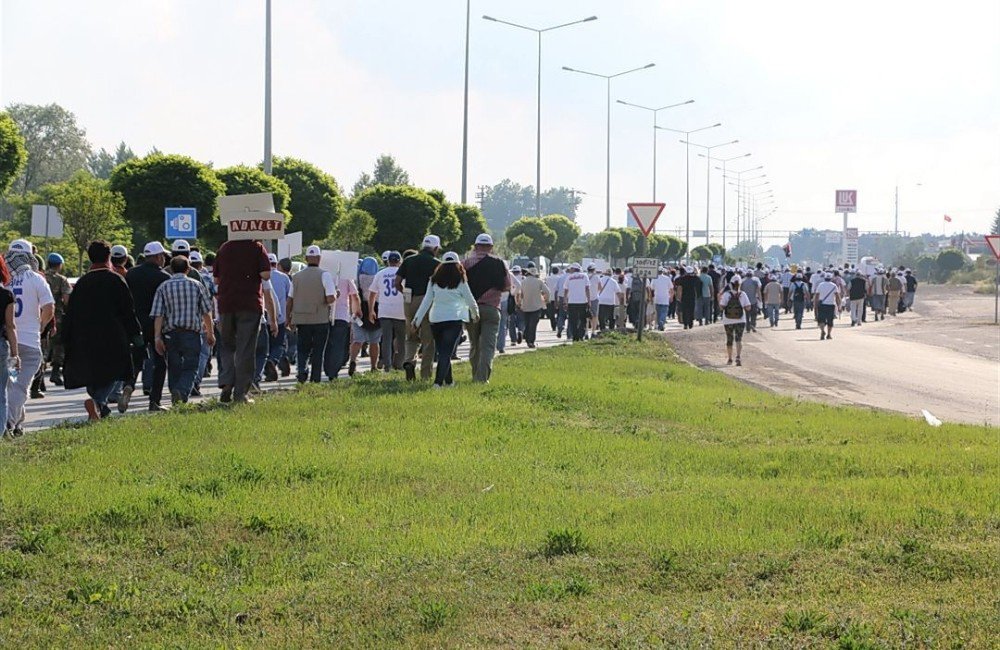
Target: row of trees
{"type": "Point", "coordinates": [625, 243]}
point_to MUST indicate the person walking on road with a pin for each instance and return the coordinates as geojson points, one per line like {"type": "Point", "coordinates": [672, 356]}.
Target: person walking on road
{"type": "Point", "coordinates": [663, 295]}
{"type": "Point", "coordinates": [8, 344]}
{"type": "Point", "coordinates": [911, 289]}
{"type": "Point", "coordinates": [773, 295]}
{"type": "Point", "coordinates": [412, 279]}
{"type": "Point", "coordinates": [857, 293]}
{"type": "Point", "coordinates": [346, 308]}
{"type": "Point", "coordinates": [687, 288]}
{"type": "Point", "coordinates": [798, 295]}
{"type": "Point", "coordinates": [448, 304]}
{"type": "Point", "coordinates": [366, 328]}
{"type": "Point", "coordinates": [100, 330]}
{"type": "Point", "coordinates": [706, 298]}
{"type": "Point", "coordinates": [752, 287]}
{"type": "Point", "coordinates": [877, 291]}
{"type": "Point", "coordinates": [576, 295]}
{"type": "Point", "coordinates": [827, 305]}
{"type": "Point", "coordinates": [387, 297]}
{"type": "Point", "coordinates": [308, 311]}
{"type": "Point", "coordinates": [143, 280]}
{"type": "Point", "coordinates": [735, 305]}
{"type": "Point", "coordinates": [34, 308]}
{"type": "Point", "coordinates": [59, 286]}
{"type": "Point", "coordinates": [532, 299]}
{"type": "Point", "coordinates": [240, 269]}
{"type": "Point", "coordinates": [182, 315]}
{"type": "Point", "coordinates": [551, 308]}
{"type": "Point", "coordinates": [277, 359]}
{"type": "Point", "coordinates": [897, 282]}
{"type": "Point", "coordinates": [610, 295]}
{"type": "Point", "coordinates": [489, 281]}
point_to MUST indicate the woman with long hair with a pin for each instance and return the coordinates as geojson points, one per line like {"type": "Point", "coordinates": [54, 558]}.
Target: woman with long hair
{"type": "Point", "coordinates": [8, 341]}
{"type": "Point", "coordinates": [449, 304]}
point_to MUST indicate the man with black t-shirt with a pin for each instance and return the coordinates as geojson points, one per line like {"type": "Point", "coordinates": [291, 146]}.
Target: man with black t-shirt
{"type": "Point", "coordinates": [488, 279]}
{"type": "Point", "coordinates": [687, 288]}
{"type": "Point", "coordinates": [411, 279]}
{"type": "Point", "coordinates": [857, 292]}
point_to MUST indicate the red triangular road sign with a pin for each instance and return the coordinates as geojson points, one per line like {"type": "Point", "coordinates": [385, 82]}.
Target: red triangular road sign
{"type": "Point", "coordinates": [645, 215]}
{"type": "Point", "coordinates": [993, 241]}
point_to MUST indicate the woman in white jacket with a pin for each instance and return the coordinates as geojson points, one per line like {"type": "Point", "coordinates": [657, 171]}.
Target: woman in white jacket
{"type": "Point", "coordinates": [449, 304]}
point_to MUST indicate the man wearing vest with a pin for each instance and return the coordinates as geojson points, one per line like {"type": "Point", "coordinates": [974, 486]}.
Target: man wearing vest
{"type": "Point", "coordinates": [309, 299]}
{"type": "Point", "coordinates": [488, 279]}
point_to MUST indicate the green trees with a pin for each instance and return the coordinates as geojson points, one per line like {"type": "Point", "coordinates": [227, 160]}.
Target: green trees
{"type": "Point", "coordinates": [159, 181]}
{"type": "Point", "coordinates": [508, 201]}
{"type": "Point", "coordinates": [13, 154]}
{"type": "Point", "coordinates": [241, 179]}
{"type": "Point", "coordinates": [949, 261]}
{"type": "Point", "coordinates": [403, 215]}
{"type": "Point", "coordinates": [102, 163]}
{"type": "Point", "coordinates": [56, 146]}
{"type": "Point", "coordinates": [607, 243]}
{"type": "Point", "coordinates": [472, 224]}
{"type": "Point", "coordinates": [317, 201]}
{"type": "Point", "coordinates": [352, 232]}
{"type": "Point", "coordinates": [386, 172]}
{"type": "Point", "coordinates": [566, 232]}
{"type": "Point", "coordinates": [543, 238]}
{"type": "Point", "coordinates": [445, 225]}
{"type": "Point", "coordinates": [90, 210]}
{"type": "Point", "coordinates": [994, 229]}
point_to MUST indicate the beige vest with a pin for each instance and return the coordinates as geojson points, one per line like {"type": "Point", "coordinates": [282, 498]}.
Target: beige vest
{"type": "Point", "coordinates": [309, 299]}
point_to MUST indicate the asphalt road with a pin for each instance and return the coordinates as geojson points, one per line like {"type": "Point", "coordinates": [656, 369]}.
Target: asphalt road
{"type": "Point", "coordinates": [943, 356]}
{"type": "Point", "coordinates": [61, 405]}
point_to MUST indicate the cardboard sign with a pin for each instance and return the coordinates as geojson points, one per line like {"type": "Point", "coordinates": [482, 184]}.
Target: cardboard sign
{"type": "Point", "coordinates": [290, 246]}
{"type": "Point", "coordinates": [46, 221]}
{"type": "Point", "coordinates": [256, 225]}
{"type": "Point", "coordinates": [340, 264]}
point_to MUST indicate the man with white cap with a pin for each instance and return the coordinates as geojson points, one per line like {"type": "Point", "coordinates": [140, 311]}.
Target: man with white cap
{"type": "Point", "coordinates": [663, 295]}
{"type": "Point", "coordinates": [576, 295]}
{"type": "Point", "coordinates": [34, 307]}
{"type": "Point", "coordinates": [489, 280]}
{"type": "Point", "coordinates": [241, 267]}
{"type": "Point", "coordinates": [412, 279]}
{"type": "Point", "coordinates": [119, 259]}
{"type": "Point", "coordinates": [143, 281]}
{"type": "Point", "coordinates": [309, 298]}
{"type": "Point", "coordinates": [383, 292]}
{"type": "Point", "coordinates": [281, 284]}
{"type": "Point", "coordinates": [827, 304]}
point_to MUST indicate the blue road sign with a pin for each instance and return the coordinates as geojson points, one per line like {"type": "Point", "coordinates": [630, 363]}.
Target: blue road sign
{"type": "Point", "coordinates": [717, 259]}
{"type": "Point", "coordinates": [181, 223]}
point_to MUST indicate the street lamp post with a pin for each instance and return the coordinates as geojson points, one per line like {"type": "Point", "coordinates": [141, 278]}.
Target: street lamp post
{"type": "Point", "coordinates": [708, 179]}
{"type": "Point", "coordinates": [538, 144]}
{"type": "Point", "coordinates": [465, 109]}
{"type": "Point", "coordinates": [741, 203]}
{"type": "Point", "coordinates": [687, 178]}
{"type": "Point", "coordinates": [746, 191]}
{"type": "Point", "coordinates": [724, 161]}
{"type": "Point", "coordinates": [654, 111]}
{"type": "Point", "coordinates": [267, 87]}
{"type": "Point", "coordinates": [608, 78]}
{"type": "Point", "coordinates": [896, 218]}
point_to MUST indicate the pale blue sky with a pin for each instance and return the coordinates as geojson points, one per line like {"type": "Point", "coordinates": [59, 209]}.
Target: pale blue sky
{"type": "Point", "coordinates": [856, 94]}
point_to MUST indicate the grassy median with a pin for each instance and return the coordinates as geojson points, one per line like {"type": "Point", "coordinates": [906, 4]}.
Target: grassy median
{"type": "Point", "coordinates": [603, 494]}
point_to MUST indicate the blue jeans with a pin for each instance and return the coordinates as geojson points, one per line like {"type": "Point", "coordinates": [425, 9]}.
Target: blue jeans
{"type": "Point", "coordinates": [338, 348]}
{"type": "Point", "coordinates": [183, 356]}
{"type": "Point", "coordinates": [261, 352]}
{"type": "Point", "coordinates": [277, 345]}
{"type": "Point", "coordinates": [311, 347]}
{"type": "Point", "coordinates": [446, 336]}
{"type": "Point", "coordinates": [798, 309]}
{"type": "Point", "coordinates": [206, 354]}
{"type": "Point", "coordinates": [4, 376]}
{"type": "Point", "coordinates": [101, 394]}
{"type": "Point", "coordinates": [772, 314]}
{"type": "Point", "coordinates": [502, 332]}
{"type": "Point", "coordinates": [705, 309]}
{"type": "Point", "coordinates": [661, 316]}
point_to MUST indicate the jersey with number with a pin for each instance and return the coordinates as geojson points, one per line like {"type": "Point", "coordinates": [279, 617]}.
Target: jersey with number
{"type": "Point", "coordinates": [390, 299]}
{"type": "Point", "coordinates": [31, 293]}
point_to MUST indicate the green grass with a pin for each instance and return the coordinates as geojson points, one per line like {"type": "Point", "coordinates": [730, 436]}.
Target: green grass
{"type": "Point", "coordinates": [597, 495]}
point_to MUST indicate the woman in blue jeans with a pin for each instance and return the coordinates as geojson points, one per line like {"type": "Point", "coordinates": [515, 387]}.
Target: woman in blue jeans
{"type": "Point", "coordinates": [8, 341]}
{"type": "Point", "coordinates": [449, 304]}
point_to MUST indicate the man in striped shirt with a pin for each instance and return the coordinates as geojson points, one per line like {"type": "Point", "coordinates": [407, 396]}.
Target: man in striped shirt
{"type": "Point", "coordinates": [182, 310]}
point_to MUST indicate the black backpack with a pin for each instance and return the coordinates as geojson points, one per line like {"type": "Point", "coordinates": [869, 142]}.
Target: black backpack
{"type": "Point", "coordinates": [734, 310]}
{"type": "Point", "coordinates": [799, 295]}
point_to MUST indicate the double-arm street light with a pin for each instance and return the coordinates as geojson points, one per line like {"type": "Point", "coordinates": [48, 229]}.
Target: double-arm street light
{"type": "Point", "coordinates": [687, 177]}
{"type": "Point", "coordinates": [654, 111]}
{"type": "Point", "coordinates": [749, 193]}
{"type": "Point", "coordinates": [608, 78]}
{"type": "Point", "coordinates": [724, 161]}
{"type": "Point", "coordinates": [538, 144]}
{"type": "Point", "coordinates": [708, 178]}
{"type": "Point", "coordinates": [728, 175]}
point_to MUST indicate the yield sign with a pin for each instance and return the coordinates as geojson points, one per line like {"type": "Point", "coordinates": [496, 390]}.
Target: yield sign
{"type": "Point", "coordinates": [993, 241]}
{"type": "Point", "coordinates": [645, 215]}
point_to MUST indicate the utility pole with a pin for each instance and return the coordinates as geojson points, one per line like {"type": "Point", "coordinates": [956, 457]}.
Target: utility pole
{"type": "Point", "coordinates": [267, 89]}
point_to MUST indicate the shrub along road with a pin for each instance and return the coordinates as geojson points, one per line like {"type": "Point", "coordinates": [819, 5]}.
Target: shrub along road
{"type": "Point", "coordinates": [592, 495]}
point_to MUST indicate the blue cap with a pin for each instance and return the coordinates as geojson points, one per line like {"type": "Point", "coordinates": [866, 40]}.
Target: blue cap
{"type": "Point", "coordinates": [368, 266]}
{"type": "Point", "coordinates": [55, 258]}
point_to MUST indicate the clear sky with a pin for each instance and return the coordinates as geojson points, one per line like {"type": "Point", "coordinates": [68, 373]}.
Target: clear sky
{"type": "Point", "coordinates": [857, 94]}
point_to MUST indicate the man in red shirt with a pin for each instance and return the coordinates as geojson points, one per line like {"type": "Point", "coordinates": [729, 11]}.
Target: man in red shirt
{"type": "Point", "coordinates": [240, 267]}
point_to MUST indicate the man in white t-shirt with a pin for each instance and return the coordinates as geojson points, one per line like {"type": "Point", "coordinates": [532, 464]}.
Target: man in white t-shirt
{"type": "Point", "coordinates": [390, 312]}
{"type": "Point", "coordinates": [552, 284]}
{"type": "Point", "coordinates": [734, 304]}
{"type": "Point", "coordinates": [346, 308]}
{"type": "Point", "coordinates": [663, 295]}
{"type": "Point", "coordinates": [609, 295]}
{"type": "Point", "coordinates": [594, 277]}
{"type": "Point", "coordinates": [34, 307]}
{"type": "Point", "coordinates": [576, 296]}
{"type": "Point", "coordinates": [826, 300]}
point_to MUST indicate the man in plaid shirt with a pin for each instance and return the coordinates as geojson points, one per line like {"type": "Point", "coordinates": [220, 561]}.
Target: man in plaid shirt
{"type": "Point", "coordinates": [182, 310]}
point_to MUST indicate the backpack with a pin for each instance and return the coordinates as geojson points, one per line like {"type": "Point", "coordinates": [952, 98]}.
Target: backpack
{"type": "Point", "coordinates": [734, 310]}
{"type": "Point", "coordinates": [799, 295]}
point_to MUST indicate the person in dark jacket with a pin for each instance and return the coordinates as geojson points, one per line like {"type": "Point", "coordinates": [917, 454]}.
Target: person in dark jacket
{"type": "Point", "coordinates": [143, 281]}
{"type": "Point", "coordinates": [99, 329]}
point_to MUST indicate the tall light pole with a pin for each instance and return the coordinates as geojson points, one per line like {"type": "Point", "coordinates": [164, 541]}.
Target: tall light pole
{"type": "Point", "coordinates": [746, 192]}
{"type": "Point", "coordinates": [654, 111]}
{"type": "Point", "coordinates": [687, 179]}
{"type": "Point", "coordinates": [724, 161]}
{"type": "Point", "coordinates": [465, 109]}
{"type": "Point", "coordinates": [267, 87]}
{"type": "Point", "coordinates": [538, 144]}
{"type": "Point", "coordinates": [708, 179]}
{"type": "Point", "coordinates": [896, 219]}
{"type": "Point", "coordinates": [608, 78]}
{"type": "Point", "coordinates": [740, 199]}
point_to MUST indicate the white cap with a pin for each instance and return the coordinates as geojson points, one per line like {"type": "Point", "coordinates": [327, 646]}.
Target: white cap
{"type": "Point", "coordinates": [180, 246]}
{"type": "Point", "coordinates": [272, 258]}
{"type": "Point", "coordinates": [689, 269]}
{"type": "Point", "coordinates": [515, 269]}
{"type": "Point", "coordinates": [574, 267]}
{"type": "Point", "coordinates": [432, 241]}
{"type": "Point", "coordinates": [153, 248]}
{"type": "Point", "coordinates": [484, 240]}
{"type": "Point", "coordinates": [828, 276]}
{"type": "Point", "coordinates": [313, 251]}
{"type": "Point", "coordinates": [385, 255]}
{"type": "Point", "coordinates": [21, 245]}
{"type": "Point", "coordinates": [196, 257]}
{"type": "Point", "coordinates": [119, 251]}
{"type": "Point", "coordinates": [449, 258]}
